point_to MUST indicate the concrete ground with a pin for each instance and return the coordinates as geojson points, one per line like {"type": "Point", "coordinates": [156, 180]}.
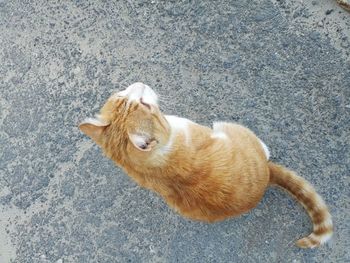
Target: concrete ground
{"type": "Point", "coordinates": [280, 67]}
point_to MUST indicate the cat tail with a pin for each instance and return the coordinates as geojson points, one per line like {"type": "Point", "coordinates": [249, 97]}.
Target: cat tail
{"type": "Point", "coordinates": [310, 200]}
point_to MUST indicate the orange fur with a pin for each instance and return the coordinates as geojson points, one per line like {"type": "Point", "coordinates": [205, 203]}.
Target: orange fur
{"type": "Point", "coordinates": [204, 174]}
{"type": "Point", "coordinates": [310, 200]}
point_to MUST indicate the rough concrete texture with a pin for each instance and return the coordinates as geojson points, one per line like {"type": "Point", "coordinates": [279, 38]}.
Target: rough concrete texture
{"type": "Point", "coordinates": [282, 68]}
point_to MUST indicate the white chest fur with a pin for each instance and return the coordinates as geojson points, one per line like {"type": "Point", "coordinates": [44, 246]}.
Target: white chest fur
{"type": "Point", "coordinates": [178, 125]}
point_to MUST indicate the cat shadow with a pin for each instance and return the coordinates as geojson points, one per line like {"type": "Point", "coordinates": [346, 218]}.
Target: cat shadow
{"type": "Point", "coordinates": [139, 218]}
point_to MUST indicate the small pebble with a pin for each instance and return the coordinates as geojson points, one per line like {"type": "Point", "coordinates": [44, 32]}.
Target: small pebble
{"type": "Point", "coordinates": [329, 11]}
{"type": "Point", "coordinates": [345, 44]}
{"type": "Point", "coordinates": [76, 70]}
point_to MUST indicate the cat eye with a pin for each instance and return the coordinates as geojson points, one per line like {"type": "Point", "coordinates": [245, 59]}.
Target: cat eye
{"type": "Point", "coordinates": [144, 146]}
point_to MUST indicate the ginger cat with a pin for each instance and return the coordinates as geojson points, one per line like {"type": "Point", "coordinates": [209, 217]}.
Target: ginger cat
{"type": "Point", "coordinates": [207, 174]}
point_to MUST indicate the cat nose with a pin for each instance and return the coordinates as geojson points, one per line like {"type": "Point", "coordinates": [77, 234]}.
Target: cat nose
{"type": "Point", "coordinates": [149, 96]}
{"type": "Point", "coordinates": [138, 86]}
{"type": "Point", "coordinates": [133, 89]}
{"type": "Point", "coordinates": [139, 90]}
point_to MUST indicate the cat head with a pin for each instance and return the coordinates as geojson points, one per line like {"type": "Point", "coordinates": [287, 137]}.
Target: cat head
{"type": "Point", "coordinates": [130, 125]}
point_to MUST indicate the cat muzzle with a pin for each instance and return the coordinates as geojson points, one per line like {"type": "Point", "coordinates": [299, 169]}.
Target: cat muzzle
{"type": "Point", "coordinates": [139, 91]}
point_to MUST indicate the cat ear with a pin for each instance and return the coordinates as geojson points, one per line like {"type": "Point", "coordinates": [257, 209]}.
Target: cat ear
{"type": "Point", "coordinates": [93, 128]}
{"type": "Point", "coordinates": [142, 142]}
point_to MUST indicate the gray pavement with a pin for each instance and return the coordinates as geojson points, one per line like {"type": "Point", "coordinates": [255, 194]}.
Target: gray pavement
{"type": "Point", "coordinates": [282, 68]}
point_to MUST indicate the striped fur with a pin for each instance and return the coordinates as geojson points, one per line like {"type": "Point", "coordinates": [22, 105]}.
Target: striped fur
{"type": "Point", "coordinates": [207, 174]}
{"type": "Point", "coordinates": [310, 200]}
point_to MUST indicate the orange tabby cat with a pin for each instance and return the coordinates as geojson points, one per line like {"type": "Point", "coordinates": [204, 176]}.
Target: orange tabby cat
{"type": "Point", "coordinates": [204, 173]}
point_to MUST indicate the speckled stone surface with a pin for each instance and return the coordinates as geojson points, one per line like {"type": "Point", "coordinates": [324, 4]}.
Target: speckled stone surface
{"type": "Point", "coordinates": [266, 64]}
